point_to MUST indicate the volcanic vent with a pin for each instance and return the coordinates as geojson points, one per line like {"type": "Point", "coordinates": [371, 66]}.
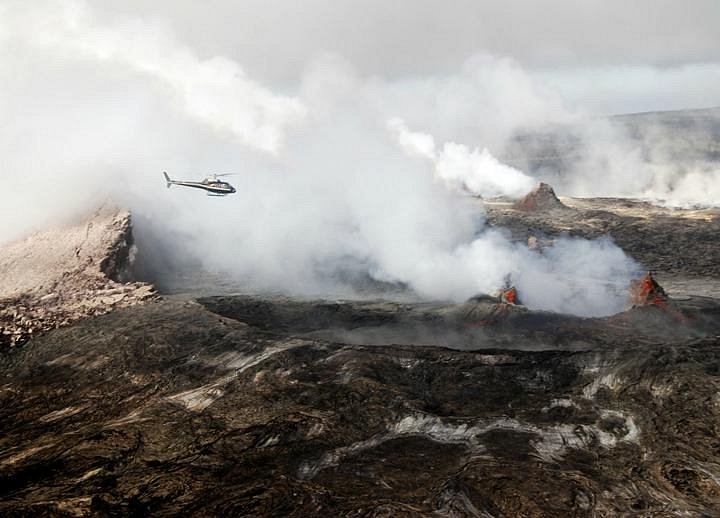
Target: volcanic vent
{"type": "Point", "coordinates": [647, 292]}
{"type": "Point", "coordinates": [543, 198]}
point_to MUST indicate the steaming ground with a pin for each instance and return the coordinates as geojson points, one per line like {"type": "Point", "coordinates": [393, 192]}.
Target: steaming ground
{"type": "Point", "coordinates": [256, 403]}
{"type": "Point", "coordinates": [676, 244]}
{"type": "Point", "coordinates": [324, 345]}
{"type": "Point", "coordinates": [340, 174]}
{"type": "Point", "coordinates": [269, 405]}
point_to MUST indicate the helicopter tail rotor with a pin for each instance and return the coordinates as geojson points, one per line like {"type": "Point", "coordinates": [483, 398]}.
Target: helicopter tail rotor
{"type": "Point", "coordinates": [167, 179]}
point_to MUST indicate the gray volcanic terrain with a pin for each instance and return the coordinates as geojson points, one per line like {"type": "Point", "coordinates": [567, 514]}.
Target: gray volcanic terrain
{"type": "Point", "coordinates": [259, 405]}
{"type": "Point", "coordinates": [679, 245]}
{"type": "Point", "coordinates": [359, 259]}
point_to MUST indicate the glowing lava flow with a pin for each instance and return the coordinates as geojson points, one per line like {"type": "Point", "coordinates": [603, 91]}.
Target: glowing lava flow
{"type": "Point", "coordinates": [647, 292]}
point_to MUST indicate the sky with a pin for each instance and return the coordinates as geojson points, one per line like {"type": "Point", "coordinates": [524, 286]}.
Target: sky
{"type": "Point", "coordinates": [609, 56]}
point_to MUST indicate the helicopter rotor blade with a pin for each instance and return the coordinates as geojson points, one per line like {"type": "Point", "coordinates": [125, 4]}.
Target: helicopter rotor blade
{"type": "Point", "coordinates": [227, 174]}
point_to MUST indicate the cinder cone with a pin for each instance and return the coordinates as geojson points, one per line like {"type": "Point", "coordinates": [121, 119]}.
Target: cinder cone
{"type": "Point", "coordinates": [510, 296]}
{"type": "Point", "coordinates": [647, 292]}
{"type": "Point", "coordinates": [541, 199]}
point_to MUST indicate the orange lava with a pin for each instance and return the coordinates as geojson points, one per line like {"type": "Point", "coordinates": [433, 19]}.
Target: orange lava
{"type": "Point", "coordinates": [647, 292]}
{"type": "Point", "coordinates": [509, 295]}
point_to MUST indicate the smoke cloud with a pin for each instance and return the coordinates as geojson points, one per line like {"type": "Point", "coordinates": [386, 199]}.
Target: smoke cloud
{"type": "Point", "coordinates": [341, 174]}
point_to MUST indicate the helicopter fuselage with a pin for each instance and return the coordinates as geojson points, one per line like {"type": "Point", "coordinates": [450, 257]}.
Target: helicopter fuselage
{"type": "Point", "coordinates": [221, 188]}
{"type": "Point", "coordinates": [212, 186]}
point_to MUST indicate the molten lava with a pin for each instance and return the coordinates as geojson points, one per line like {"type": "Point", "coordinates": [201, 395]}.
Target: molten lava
{"type": "Point", "coordinates": [509, 296]}
{"type": "Point", "coordinates": [647, 292]}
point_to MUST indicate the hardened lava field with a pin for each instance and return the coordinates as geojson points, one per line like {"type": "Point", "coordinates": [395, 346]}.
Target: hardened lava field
{"type": "Point", "coordinates": [260, 405]}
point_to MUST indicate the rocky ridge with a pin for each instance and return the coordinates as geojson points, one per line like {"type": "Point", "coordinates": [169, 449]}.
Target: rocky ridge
{"type": "Point", "coordinates": [58, 276]}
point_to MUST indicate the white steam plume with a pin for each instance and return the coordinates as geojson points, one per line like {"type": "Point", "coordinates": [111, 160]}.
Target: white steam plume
{"type": "Point", "coordinates": [100, 110]}
{"type": "Point", "coordinates": [652, 167]}
{"type": "Point", "coordinates": [473, 171]}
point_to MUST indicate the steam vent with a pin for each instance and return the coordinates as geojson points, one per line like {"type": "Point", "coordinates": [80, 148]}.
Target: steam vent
{"type": "Point", "coordinates": [543, 198]}
{"type": "Point", "coordinates": [510, 296]}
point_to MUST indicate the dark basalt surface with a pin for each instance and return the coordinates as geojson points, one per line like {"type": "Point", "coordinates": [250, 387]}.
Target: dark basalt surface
{"type": "Point", "coordinates": [169, 408]}
{"type": "Point", "coordinates": [261, 406]}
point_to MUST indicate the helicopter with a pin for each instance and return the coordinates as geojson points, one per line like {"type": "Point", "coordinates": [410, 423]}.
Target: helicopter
{"type": "Point", "coordinates": [211, 184]}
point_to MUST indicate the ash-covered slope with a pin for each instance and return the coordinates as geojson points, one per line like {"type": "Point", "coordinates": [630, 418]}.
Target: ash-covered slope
{"type": "Point", "coordinates": [57, 276]}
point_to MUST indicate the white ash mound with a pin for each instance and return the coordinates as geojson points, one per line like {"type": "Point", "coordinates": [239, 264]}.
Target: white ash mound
{"type": "Point", "coordinates": [543, 198]}
{"type": "Point", "coordinates": [58, 276]}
